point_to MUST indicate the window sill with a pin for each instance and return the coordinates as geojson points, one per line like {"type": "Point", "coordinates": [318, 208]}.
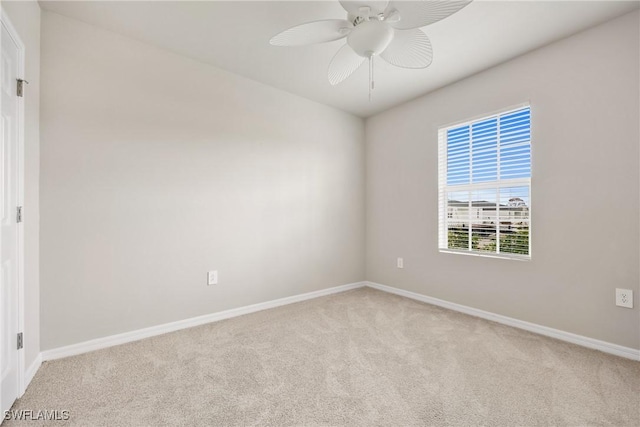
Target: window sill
{"type": "Point", "coordinates": [487, 255]}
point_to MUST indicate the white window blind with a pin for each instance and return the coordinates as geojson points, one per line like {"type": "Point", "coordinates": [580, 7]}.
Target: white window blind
{"type": "Point", "coordinates": [485, 185]}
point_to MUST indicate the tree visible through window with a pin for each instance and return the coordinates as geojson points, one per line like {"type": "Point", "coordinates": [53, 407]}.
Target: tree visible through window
{"type": "Point", "coordinates": [485, 185]}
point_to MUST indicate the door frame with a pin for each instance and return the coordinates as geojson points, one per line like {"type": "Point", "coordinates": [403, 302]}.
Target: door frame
{"type": "Point", "coordinates": [20, 129]}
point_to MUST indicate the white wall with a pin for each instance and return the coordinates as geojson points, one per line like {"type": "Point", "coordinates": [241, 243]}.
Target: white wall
{"type": "Point", "coordinates": [157, 168]}
{"type": "Point", "coordinates": [584, 93]}
{"type": "Point", "coordinates": [25, 17]}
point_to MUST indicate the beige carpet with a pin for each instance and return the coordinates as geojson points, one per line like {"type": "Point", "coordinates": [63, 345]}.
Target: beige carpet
{"type": "Point", "coordinates": [362, 357]}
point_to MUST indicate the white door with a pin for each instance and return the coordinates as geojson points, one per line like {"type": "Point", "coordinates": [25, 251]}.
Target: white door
{"type": "Point", "coordinates": [9, 265]}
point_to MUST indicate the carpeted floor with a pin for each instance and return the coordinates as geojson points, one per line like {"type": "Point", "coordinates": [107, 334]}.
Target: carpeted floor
{"type": "Point", "coordinates": [362, 357]}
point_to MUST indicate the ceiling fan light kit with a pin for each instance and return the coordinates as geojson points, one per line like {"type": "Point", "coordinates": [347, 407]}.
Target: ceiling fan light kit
{"type": "Point", "coordinates": [370, 38]}
{"type": "Point", "coordinates": [389, 29]}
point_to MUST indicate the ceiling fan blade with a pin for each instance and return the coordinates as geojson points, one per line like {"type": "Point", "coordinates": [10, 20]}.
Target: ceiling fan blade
{"type": "Point", "coordinates": [313, 32]}
{"type": "Point", "coordinates": [416, 14]}
{"type": "Point", "coordinates": [409, 49]}
{"type": "Point", "coordinates": [343, 64]}
{"type": "Point", "coordinates": [375, 6]}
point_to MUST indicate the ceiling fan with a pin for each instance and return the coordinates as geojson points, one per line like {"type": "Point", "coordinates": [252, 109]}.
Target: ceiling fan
{"type": "Point", "coordinates": [389, 29]}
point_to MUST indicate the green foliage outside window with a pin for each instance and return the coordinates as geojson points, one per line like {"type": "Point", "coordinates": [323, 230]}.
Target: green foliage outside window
{"type": "Point", "coordinates": [511, 243]}
{"type": "Point", "coordinates": [515, 243]}
{"type": "Point", "coordinates": [458, 239]}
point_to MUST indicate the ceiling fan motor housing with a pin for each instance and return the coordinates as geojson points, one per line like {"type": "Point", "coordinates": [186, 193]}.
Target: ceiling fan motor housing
{"type": "Point", "coordinates": [370, 38]}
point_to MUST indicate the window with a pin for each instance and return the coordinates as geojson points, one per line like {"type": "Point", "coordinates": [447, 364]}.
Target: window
{"type": "Point", "coordinates": [485, 185]}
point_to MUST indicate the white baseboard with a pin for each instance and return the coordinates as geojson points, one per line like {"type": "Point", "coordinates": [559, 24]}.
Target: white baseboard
{"type": "Point", "coordinates": [110, 341]}
{"type": "Point", "coordinates": [31, 371]}
{"type": "Point", "coordinates": [113, 340]}
{"type": "Point", "coordinates": [604, 346]}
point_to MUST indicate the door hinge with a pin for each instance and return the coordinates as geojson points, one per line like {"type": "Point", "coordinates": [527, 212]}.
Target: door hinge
{"type": "Point", "coordinates": [20, 343]}
{"type": "Point", "coordinates": [19, 214]}
{"type": "Point", "coordinates": [20, 90]}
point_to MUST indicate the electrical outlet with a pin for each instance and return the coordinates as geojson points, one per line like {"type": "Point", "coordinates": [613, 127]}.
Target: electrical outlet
{"type": "Point", "coordinates": [400, 263]}
{"type": "Point", "coordinates": [624, 298]}
{"type": "Point", "coordinates": [212, 277]}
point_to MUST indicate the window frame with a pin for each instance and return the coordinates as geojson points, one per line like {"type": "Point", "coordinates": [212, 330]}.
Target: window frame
{"type": "Point", "coordinates": [444, 188]}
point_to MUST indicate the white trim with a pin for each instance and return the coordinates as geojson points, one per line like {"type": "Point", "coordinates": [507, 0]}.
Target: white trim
{"type": "Point", "coordinates": [6, 22]}
{"type": "Point", "coordinates": [486, 255]}
{"type": "Point", "coordinates": [604, 346]}
{"type": "Point", "coordinates": [486, 115]}
{"type": "Point", "coordinates": [110, 341]}
{"type": "Point", "coordinates": [32, 370]}
{"type": "Point", "coordinates": [113, 340]}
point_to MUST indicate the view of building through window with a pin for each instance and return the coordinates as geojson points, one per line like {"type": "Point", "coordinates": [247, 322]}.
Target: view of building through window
{"type": "Point", "coordinates": [485, 173]}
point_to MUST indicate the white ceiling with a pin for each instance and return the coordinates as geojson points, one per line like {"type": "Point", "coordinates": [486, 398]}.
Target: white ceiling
{"type": "Point", "coordinates": [234, 35]}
